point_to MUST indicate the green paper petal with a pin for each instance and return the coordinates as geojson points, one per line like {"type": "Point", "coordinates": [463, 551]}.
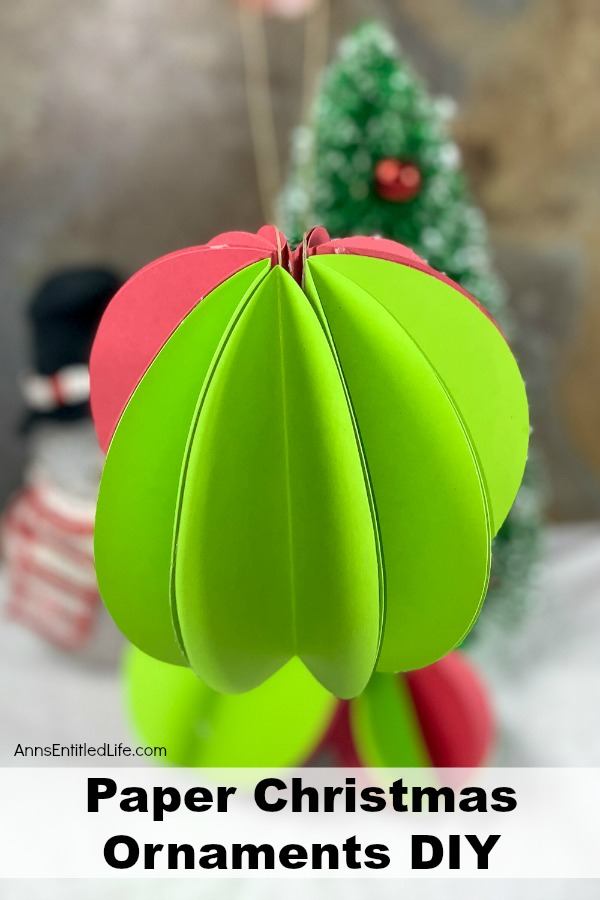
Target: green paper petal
{"type": "Point", "coordinates": [278, 724]}
{"type": "Point", "coordinates": [276, 550]}
{"type": "Point", "coordinates": [471, 357]}
{"type": "Point", "coordinates": [384, 725]}
{"type": "Point", "coordinates": [429, 497]}
{"type": "Point", "coordinates": [138, 495]}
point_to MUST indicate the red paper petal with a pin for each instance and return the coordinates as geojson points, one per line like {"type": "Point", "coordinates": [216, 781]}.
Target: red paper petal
{"type": "Point", "coordinates": [143, 315]}
{"type": "Point", "coordinates": [454, 712]}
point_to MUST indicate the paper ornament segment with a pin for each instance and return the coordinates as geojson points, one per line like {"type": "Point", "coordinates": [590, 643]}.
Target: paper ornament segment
{"type": "Point", "coordinates": [278, 724]}
{"type": "Point", "coordinates": [385, 727]}
{"type": "Point", "coordinates": [439, 716]}
{"type": "Point", "coordinates": [471, 357]}
{"type": "Point", "coordinates": [429, 499]}
{"type": "Point", "coordinates": [139, 491]}
{"type": "Point", "coordinates": [144, 314]}
{"type": "Point", "coordinates": [454, 711]}
{"type": "Point", "coordinates": [276, 551]}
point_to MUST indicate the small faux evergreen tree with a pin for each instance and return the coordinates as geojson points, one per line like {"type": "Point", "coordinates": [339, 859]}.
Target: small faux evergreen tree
{"type": "Point", "coordinates": [377, 158]}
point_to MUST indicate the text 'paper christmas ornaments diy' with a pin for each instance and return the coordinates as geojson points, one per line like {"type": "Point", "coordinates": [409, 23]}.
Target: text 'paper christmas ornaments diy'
{"type": "Point", "coordinates": [438, 716]}
{"type": "Point", "coordinates": [277, 724]}
{"type": "Point", "coordinates": [309, 453]}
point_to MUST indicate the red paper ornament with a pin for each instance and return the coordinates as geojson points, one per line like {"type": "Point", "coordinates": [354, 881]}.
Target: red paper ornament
{"type": "Point", "coordinates": [397, 181]}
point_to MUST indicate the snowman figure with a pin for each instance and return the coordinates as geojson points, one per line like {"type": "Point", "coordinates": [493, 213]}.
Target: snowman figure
{"type": "Point", "coordinates": [47, 532]}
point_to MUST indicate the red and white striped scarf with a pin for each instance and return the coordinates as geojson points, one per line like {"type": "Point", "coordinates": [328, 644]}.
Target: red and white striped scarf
{"type": "Point", "coordinates": [47, 539]}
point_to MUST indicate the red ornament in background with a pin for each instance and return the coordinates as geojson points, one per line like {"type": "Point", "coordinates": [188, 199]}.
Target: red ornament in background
{"type": "Point", "coordinates": [397, 181]}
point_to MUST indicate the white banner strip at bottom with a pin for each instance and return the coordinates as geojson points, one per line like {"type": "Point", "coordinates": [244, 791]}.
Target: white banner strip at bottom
{"type": "Point", "coordinates": [208, 823]}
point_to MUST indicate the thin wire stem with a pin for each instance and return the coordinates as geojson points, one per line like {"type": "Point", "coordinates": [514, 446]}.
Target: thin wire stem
{"type": "Point", "coordinates": [260, 109]}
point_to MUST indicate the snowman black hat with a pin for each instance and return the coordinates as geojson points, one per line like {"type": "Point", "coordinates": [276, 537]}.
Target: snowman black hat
{"type": "Point", "coordinates": [63, 315]}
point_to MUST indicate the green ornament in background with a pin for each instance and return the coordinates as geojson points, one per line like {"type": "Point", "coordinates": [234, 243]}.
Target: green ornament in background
{"type": "Point", "coordinates": [376, 158]}
{"type": "Point", "coordinates": [278, 724]}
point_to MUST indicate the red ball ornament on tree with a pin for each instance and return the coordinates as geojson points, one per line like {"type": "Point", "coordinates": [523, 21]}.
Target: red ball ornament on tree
{"type": "Point", "coordinates": [397, 181]}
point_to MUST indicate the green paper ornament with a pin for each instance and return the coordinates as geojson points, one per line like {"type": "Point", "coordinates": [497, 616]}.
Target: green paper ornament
{"type": "Point", "coordinates": [309, 454]}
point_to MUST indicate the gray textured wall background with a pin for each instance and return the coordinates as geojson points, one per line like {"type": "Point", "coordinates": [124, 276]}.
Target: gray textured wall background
{"type": "Point", "coordinates": [124, 134]}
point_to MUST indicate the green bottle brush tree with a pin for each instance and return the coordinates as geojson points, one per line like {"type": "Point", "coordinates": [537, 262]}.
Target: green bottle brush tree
{"type": "Point", "coordinates": [376, 158]}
